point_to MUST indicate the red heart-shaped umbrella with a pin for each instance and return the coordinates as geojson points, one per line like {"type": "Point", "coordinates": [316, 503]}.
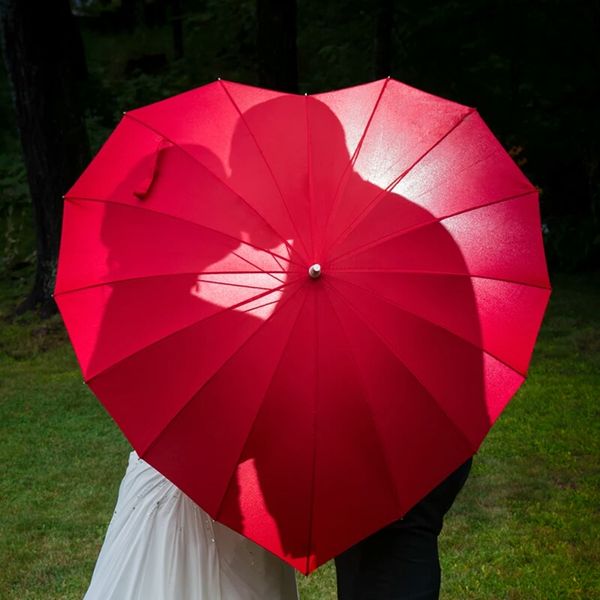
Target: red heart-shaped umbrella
{"type": "Point", "coordinates": [305, 311]}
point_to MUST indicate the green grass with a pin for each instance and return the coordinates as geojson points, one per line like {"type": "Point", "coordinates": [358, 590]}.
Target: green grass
{"type": "Point", "coordinates": [525, 526]}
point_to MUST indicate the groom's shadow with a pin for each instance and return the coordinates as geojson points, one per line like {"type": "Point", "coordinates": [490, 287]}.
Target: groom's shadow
{"type": "Point", "coordinates": [202, 405]}
{"type": "Point", "coordinates": [325, 488]}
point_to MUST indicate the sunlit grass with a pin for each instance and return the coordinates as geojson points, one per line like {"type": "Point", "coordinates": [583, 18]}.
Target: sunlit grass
{"type": "Point", "coordinates": [525, 526]}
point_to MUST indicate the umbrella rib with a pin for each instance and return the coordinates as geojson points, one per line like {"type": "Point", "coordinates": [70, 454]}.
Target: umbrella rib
{"type": "Point", "coordinates": [441, 273]}
{"type": "Point", "coordinates": [351, 161]}
{"type": "Point", "coordinates": [212, 376]}
{"type": "Point", "coordinates": [434, 221]}
{"type": "Point", "coordinates": [157, 212]}
{"type": "Point", "coordinates": [436, 325]}
{"type": "Point", "coordinates": [221, 181]}
{"type": "Point", "coordinates": [313, 477]}
{"type": "Point", "coordinates": [158, 275]}
{"type": "Point", "coordinates": [177, 331]}
{"type": "Point", "coordinates": [371, 205]}
{"type": "Point", "coordinates": [269, 273]}
{"type": "Point", "coordinates": [187, 221]}
{"type": "Point", "coordinates": [266, 163]}
{"type": "Point", "coordinates": [309, 183]}
{"type": "Point", "coordinates": [366, 403]}
{"type": "Point", "coordinates": [260, 306]}
{"type": "Point", "coordinates": [275, 258]}
{"type": "Point", "coordinates": [237, 285]}
{"type": "Point", "coordinates": [261, 406]}
{"type": "Point", "coordinates": [466, 168]}
{"type": "Point", "coordinates": [470, 444]}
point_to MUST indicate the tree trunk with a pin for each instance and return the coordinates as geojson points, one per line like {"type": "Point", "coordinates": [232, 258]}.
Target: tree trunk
{"type": "Point", "coordinates": [44, 60]}
{"type": "Point", "coordinates": [277, 54]}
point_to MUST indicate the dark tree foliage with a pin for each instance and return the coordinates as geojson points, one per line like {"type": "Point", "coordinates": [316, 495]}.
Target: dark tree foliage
{"type": "Point", "coordinates": [131, 11]}
{"type": "Point", "coordinates": [532, 69]}
{"type": "Point", "coordinates": [277, 54]}
{"type": "Point", "coordinates": [383, 38]}
{"type": "Point", "coordinates": [177, 25]}
{"type": "Point", "coordinates": [44, 61]}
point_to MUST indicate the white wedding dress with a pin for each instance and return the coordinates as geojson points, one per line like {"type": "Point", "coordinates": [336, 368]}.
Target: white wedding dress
{"type": "Point", "coordinates": [161, 546]}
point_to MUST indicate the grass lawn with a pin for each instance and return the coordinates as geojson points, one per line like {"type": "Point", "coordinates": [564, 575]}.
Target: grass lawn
{"type": "Point", "coordinates": [525, 526]}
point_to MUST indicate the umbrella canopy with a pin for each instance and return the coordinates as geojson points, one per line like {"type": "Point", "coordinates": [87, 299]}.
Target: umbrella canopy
{"type": "Point", "coordinates": [305, 311]}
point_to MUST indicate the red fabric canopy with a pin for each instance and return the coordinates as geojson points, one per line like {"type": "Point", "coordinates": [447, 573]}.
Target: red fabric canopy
{"type": "Point", "coordinates": [304, 411]}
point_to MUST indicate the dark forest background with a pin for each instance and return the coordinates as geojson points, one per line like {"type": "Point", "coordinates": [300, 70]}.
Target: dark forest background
{"type": "Point", "coordinates": [531, 68]}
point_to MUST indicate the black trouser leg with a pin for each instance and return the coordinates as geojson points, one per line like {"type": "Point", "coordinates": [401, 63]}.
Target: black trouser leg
{"type": "Point", "coordinates": [401, 562]}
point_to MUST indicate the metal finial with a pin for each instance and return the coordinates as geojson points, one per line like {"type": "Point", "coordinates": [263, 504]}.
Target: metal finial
{"type": "Point", "coordinates": [315, 271]}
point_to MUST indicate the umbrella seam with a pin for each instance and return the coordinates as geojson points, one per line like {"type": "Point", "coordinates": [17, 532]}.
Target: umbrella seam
{"type": "Point", "coordinates": [351, 163]}
{"type": "Point", "coordinates": [367, 209]}
{"type": "Point", "coordinates": [196, 322]}
{"type": "Point", "coordinates": [266, 164]}
{"type": "Point", "coordinates": [309, 183]}
{"type": "Point", "coordinates": [158, 275]}
{"type": "Point", "coordinates": [434, 221]}
{"type": "Point", "coordinates": [467, 168]}
{"type": "Point", "coordinates": [432, 323]}
{"type": "Point", "coordinates": [261, 406]}
{"type": "Point", "coordinates": [212, 376]}
{"type": "Point", "coordinates": [239, 285]}
{"type": "Point", "coordinates": [440, 273]}
{"type": "Point", "coordinates": [314, 445]}
{"type": "Point", "coordinates": [162, 214]}
{"type": "Point", "coordinates": [211, 172]}
{"type": "Point", "coordinates": [270, 273]}
{"type": "Point", "coordinates": [378, 435]}
{"type": "Point", "coordinates": [280, 265]}
{"type": "Point", "coordinates": [261, 306]}
{"type": "Point", "coordinates": [470, 444]}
